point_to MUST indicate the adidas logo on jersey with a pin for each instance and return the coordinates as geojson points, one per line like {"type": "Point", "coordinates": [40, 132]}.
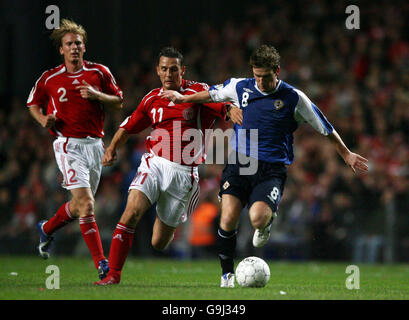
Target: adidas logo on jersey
{"type": "Point", "coordinates": [76, 81]}
{"type": "Point", "coordinates": [248, 90]}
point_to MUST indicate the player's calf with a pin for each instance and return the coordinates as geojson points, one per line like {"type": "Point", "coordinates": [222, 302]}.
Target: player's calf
{"type": "Point", "coordinates": [162, 235]}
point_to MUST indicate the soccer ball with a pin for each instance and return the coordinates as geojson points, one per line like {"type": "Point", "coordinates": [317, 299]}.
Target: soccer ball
{"type": "Point", "coordinates": [252, 272]}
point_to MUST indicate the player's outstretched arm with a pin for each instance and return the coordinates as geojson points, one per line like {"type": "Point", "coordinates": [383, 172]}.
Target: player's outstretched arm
{"type": "Point", "coordinates": [176, 97]}
{"type": "Point", "coordinates": [353, 160]}
{"type": "Point", "coordinates": [119, 139]}
{"type": "Point", "coordinates": [46, 121]}
{"type": "Point", "coordinates": [89, 92]}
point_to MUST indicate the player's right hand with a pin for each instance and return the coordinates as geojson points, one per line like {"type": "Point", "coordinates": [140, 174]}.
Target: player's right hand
{"type": "Point", "coordinates": [49, 121]}
{"type": "Point", "coordinates": [109, 157]}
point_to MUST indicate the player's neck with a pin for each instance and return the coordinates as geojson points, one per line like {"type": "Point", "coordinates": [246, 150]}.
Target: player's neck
{"type": "Point", "coordinates": [272, 88]}
{"type": "Point", "coordinates": [73, 66]}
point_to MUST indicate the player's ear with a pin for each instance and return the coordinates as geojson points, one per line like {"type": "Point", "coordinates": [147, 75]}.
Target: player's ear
{"type": "Point", "coordinates": [183, 70]}
{"type": "Point", "coordinates": [61, 51]}
{"type": "Point", "coordinates": [277, 71]}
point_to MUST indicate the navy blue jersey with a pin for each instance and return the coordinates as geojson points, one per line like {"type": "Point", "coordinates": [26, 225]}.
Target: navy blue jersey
{"type": "Point", "coordinates": [275, 115]}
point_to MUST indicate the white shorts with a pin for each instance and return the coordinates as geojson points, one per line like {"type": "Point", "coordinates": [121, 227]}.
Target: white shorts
{"type": "Point", "coordinates": [174, 187]}
{"type": "Point", "coordinates": [79, 160]}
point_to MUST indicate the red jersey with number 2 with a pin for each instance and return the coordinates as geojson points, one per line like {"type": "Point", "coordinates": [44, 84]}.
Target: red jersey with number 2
{"type": "Point", "coordinates": [77, 117]}
{"type": "Point", "coordinates": [171, 137]}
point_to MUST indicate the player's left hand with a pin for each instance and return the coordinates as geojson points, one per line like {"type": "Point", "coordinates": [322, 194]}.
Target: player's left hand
{"type": "Point", "coordinates": [173, 96]}
{"type": "Point", "coordinates": [356, 162]}
{"type": "Point", "coordinates": [109, 157]}
{"type": "Point", "coordinates": [236, 115]}
{"type": "Point", "coordinates": [87, 91]}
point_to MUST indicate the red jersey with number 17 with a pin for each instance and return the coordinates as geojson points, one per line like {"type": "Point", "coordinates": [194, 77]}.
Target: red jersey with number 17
{"type": "Point", "coordinates": [171, 137]}
{"type": "Point", "coordinates": [77, 117]}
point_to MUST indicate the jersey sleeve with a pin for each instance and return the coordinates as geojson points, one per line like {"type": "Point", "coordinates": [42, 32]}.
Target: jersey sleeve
{"type": "Point", "coordinates": [109, 85]}
{"type": "Point", "coordinates": [38, 95]}
{"type": "Point", "coordinates": [307, 111]}
{"type": "Point", "coordinates": [212, 109]}
{"type": "Point", "coordinates": [225, 92]}
{"type": "Point", "coordinates": [137, 121]}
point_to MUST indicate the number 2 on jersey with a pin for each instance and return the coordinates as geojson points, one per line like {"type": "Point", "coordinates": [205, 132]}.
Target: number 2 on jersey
{"type": "Point", "coordinates": [64, 92]}
{"type": "Point", "coordinates": [160, 111]}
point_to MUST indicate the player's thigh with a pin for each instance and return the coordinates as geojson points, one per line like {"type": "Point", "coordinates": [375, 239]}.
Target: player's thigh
{"type": "Point", "coordinates": [96, 170]}
{"type": "Point", "coordinates": [136, 205]}
{"type": "Point", "coordinates": [178, 197]}
{"type": "Point", "coordinates": [266, 194]}
{"type": "Point", "coordinates": [72, 163]}
{"type": "Point", "coordinates": [234, 184]}
{"type": "Point", "coordinates": [147, 179]}
{"type": "Point", "coordinates": [162, 234]}
{"type": "Point", "coordinates": [230, 215]}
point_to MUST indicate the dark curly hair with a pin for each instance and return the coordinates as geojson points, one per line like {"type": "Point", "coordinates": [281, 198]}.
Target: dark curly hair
{"type": "Point", "coordinates": [265, 57]}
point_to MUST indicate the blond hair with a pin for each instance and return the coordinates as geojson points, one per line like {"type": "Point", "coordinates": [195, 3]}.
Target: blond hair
{"type": "Point", "coordinates": [67, 26]}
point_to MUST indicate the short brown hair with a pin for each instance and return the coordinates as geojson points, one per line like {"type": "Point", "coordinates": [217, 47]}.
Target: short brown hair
{"type": "Point", "coordinates": [67, 26]}
{"type": "Point", "coordinates": [171, 52]}
{"type": "Point", "coordinates": [265, 57]}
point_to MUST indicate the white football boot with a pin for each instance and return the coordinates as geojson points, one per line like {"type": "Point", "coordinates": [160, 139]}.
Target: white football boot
{"type": "Point", "coordinates": [261, 236]}
{"type": "Point", "coordinates": [227, 280]}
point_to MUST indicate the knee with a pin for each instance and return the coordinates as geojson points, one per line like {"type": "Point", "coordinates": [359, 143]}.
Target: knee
{"type": "Point", "coordinates": [258, 221]}
{"type": "Point", "coordinates": [85, 206]}
{"type": "Point", "coordinates": [229, 220]}
{"type": "Point", "coordinates": [260, 215]}
{"type": "Point", "coordinates": [131, 215]}
{"type": "Point", "coordinates": [157, 245]}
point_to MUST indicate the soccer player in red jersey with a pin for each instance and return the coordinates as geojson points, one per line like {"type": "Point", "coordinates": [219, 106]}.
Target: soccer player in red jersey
{"type": "Point", "coordinates": [74, 96]}
{"type": "Point", "coordinates": [168, 174]}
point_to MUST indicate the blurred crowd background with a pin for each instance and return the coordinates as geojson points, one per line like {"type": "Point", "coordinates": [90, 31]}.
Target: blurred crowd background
{"type": "Point", "coordinates": [358, 78]}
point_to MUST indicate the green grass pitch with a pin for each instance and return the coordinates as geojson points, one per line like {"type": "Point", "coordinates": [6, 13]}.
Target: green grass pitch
{"type": "Point", "coordinates": [24, 278]}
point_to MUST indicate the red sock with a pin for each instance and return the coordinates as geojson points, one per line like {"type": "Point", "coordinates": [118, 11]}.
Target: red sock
{"type": "Point", "coordinates": [90, 233]}
{"type": "Point", "coordinates": [120, 245]}
{"type": "Point", "coordinates": [59, 220]}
